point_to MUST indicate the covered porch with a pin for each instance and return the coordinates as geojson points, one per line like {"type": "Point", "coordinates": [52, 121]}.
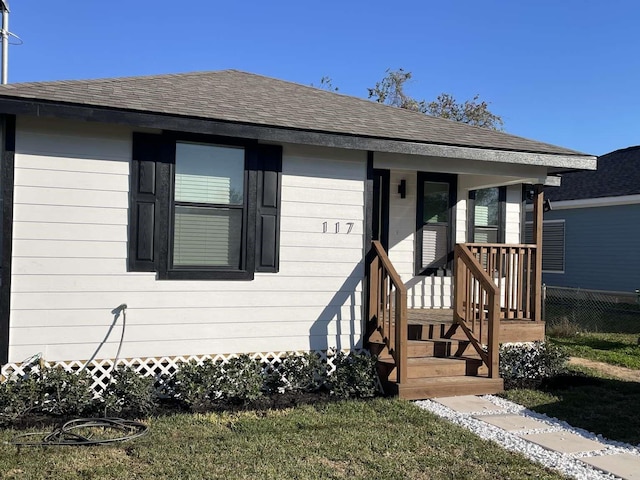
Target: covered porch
{"type": "Point", "coordinates": [470, 283]}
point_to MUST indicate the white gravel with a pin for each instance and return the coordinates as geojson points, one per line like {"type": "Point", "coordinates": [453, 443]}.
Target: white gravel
{"type": "Point", "coordinates": [568, 464]}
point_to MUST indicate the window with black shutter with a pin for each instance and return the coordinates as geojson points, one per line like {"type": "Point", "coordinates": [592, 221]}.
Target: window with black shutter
{"type": "Point", "coordinates": [202, 208]}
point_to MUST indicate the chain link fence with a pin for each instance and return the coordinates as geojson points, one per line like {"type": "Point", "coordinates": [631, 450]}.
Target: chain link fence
{"type": "Point", "coordinates": [591, 310]}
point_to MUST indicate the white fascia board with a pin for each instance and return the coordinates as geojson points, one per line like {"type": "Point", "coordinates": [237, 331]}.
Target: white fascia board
{"type": "Point", "coordinates": [395, 161]}
{"type": "Point", "coordinates": [593, 202]}
{"type": "Point", "coordinates": [577, 162]}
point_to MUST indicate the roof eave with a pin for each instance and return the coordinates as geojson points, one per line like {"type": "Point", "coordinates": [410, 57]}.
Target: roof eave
{"type": "Point", "coordinates": [557, 163]}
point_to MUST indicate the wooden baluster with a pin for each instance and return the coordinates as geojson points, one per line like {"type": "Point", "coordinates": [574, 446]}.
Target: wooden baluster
{"type": "Point", "coordinates": [519, 282]}
{"type": "Point", "coordinates": [508, 307]}
{"type": "Point", "coordinates": [529, 285]}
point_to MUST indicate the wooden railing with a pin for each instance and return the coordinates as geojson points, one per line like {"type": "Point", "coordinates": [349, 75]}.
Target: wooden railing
{"type": "Point", "coordinates": [477, 306]}
{"type": "Point", "coordinates": [512, 269]}
{"type": "Point", "coordinates": [388, 307]}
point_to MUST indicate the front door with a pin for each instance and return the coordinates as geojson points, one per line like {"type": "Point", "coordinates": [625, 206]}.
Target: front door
{"type": "Point", "coordinates": [435, 222]}
{"type": "Point", "coordinates": [380, 225]}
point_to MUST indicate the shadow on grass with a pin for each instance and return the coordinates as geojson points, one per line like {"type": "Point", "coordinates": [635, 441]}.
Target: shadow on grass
{"type": "Point", "coordinates": [597, 404]}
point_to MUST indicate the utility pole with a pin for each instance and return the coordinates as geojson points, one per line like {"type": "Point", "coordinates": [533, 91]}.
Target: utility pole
{"type": "Point", "coordinates": [4, 6]}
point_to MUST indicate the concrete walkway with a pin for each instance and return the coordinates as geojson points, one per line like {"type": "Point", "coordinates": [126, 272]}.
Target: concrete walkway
{"type": "Point", "coordinates": [559, 439]}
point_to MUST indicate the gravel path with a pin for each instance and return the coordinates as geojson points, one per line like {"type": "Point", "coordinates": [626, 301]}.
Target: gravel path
{"type": "Point", "coordinates": [568, 464]}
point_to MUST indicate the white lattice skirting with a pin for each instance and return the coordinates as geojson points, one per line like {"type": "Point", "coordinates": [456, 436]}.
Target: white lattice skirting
{"type": "Point", "coordinates": [100, 370]}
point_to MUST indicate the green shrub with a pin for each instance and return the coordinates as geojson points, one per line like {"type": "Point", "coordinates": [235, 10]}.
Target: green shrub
{"type": "Point", "coordinates": [196, 386]}
{"type": "Point", "coordinates": [526, 365]}
{"type": "Point", "coordinates": [50, 391]}
{"type": "Point", "coordinates": [242, 380]}
{"type": "Point", "coordinates": [20, 396]}
{"type": "Point", "coordinates": [305, 372]}
{"type": "Point", "coordinates": [354, 376]}
{"type": "Point", "coordinates": [130, 394]}
{"type": "Point", "coordinates": [66, 393]}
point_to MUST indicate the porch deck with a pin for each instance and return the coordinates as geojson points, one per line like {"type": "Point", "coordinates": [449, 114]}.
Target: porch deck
{"type": "Point", "coordinates": [511, 330]}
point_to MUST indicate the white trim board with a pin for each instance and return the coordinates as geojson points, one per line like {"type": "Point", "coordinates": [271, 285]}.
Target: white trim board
{"type": "Point", "coordinates": [593, 202]}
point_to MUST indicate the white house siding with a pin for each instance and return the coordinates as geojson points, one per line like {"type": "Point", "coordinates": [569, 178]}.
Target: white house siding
{"type": "Point", "coordinates": [436, 291]}
{"type": "Point", "coordinates": [513, 216]}
{"type": "Point", "coordinates": [70, 257]}
{"type": "Point", "coordinates": [423, 292]}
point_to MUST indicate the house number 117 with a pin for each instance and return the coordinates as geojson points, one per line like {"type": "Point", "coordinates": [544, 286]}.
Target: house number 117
{"type": "Point", "coordinates": [325, 227]}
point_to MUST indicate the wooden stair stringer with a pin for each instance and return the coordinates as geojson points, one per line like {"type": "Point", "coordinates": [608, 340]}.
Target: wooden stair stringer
{"type": "Point", "coordinates": [441, 361]}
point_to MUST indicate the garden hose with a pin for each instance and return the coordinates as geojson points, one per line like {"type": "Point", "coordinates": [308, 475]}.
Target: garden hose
{"type": "Point", "coordinates": [80, 431]}
{"type": "Point", "coordinates": [68, 434]}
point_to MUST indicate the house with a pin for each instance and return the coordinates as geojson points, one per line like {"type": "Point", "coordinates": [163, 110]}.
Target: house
{"type": "Point", "coordinates": [233, 213]}
{"type": "Point", "coordinates": [591, 233]}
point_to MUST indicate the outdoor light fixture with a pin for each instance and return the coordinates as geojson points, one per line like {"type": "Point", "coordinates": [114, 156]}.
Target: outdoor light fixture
{"type": "Point", "coordinates": [402, 188]}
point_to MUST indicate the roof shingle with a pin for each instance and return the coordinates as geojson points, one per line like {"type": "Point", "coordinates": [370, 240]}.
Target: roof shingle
{"type": "Point", "coordinates": [234, 96]}
{"type": "Point", "coordinates": [618, 174]}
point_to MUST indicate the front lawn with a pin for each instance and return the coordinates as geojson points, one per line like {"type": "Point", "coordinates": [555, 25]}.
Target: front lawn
{"type": "Point", "coordinates": [381, 438]}
{"type": "Point", "coordinates": [620, 349]}
{"type": "Point", "coordinates": [590, 400]}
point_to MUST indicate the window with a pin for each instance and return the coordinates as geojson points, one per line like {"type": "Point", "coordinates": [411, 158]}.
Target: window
{"type": "Point", "coordinates": [553, 232]}
{"type": "Point", "coordinates": [208, 205]}
{"type": "Point", "coordinates": [486, 215]}
{"type": "Point", "coordinates": [434, 246]}
{"type": "Point", "coordinates": [203, 209]}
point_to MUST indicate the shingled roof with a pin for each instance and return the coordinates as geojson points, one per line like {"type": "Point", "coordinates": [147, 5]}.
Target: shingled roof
{"type": "Point", "coordinates": [249, 99]}
{"type": "Point", "coordinates": [618, 174]}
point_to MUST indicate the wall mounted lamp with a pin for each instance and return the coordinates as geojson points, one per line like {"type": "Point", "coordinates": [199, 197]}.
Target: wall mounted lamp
{"type": "Point", "coordinates": [402, 188]}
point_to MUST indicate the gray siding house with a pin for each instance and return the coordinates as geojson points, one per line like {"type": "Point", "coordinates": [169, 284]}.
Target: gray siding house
{"type": "Point", "coordinates": [592, 233]}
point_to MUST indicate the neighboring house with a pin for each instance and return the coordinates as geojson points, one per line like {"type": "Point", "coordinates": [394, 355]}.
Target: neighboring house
{"type": "Point", "coordinates": [234, 213]}
{"type": "Point", "coordinates": [592, 233]}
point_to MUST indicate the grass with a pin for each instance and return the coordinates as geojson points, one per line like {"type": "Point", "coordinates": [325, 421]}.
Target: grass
{"type": "Point", "coordinates": [586, 398]}
{"type": "Point", "coordinates": [382, 438]}
{"type": "Point", "coordinates": [620, 349]}
{"type": "Point", "coordinates": [589, 400]}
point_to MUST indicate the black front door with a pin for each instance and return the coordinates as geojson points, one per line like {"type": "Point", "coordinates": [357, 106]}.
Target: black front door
{"type": "Point", "coordinates": [381, 207]}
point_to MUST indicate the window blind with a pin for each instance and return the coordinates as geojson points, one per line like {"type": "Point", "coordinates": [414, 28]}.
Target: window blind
{"type": "Point", "coordinates": [207, 237]}
{"type": "Point", "coordinates": [435, 245]}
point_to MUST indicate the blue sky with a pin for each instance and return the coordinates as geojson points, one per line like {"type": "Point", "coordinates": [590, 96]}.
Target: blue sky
{"type": "Point", "coordinates": [561, 71]}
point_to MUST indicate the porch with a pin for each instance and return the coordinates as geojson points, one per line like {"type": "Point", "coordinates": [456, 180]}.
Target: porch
{"type": "Point", "coordinates": [431, 352]}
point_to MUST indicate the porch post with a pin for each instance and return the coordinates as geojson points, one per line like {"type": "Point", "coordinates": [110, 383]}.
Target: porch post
{"type": "Point", "coordinates": [538, 200]}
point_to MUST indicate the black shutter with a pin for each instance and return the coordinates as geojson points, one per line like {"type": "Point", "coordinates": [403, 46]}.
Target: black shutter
{"type": "Point", "coordinates": [143, 202]}
{"type": "Point", "coordinates": [268, 208]}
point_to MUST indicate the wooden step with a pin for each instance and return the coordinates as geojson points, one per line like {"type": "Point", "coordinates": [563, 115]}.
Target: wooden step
{"type": "Point", "coordinates": [441, 347]}
{"type": "Point", "coordinates": [422, 388]}
{"type": "Point", "coordinates": [422, 367]}
{"type": "Point", "coordinates": [431, 331]}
